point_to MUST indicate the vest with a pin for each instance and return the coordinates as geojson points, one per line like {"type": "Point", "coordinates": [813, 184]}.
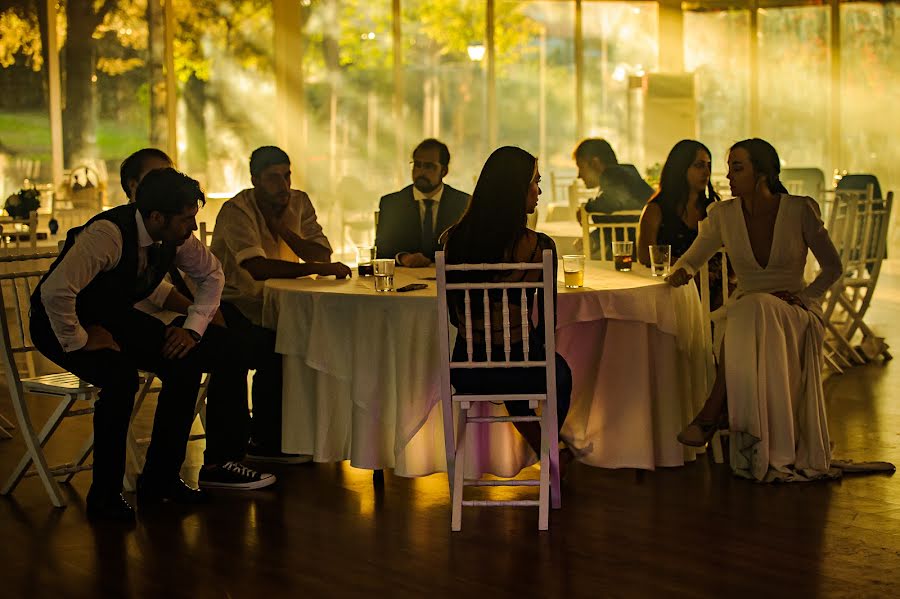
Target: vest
{"type": "Point", "coordinates": [118, 289]}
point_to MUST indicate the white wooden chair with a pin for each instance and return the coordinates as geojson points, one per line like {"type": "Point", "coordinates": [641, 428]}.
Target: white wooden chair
{"type": "Point", "coordinates": [64, 387]}
{"type": "Point", "coordinates": [11, 235]}
{"type": "Point", "coordinates": [859, 227]}
{"type": "Point", "coordinates": [624, 227]}
{"type": "Point", "coordinates": [549, 488]}
{"type": "Point", "coordinates": [711, 318]}
{"type": "Point", "coordinates": [205, 233]}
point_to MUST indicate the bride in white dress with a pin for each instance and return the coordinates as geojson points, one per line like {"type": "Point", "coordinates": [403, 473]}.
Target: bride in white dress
{"type": "Point", "coordinates": [771, 358]}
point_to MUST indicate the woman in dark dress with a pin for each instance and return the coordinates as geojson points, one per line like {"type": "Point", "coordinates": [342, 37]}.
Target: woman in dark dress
{"type": "Point", "coordinates": [672, 215]}
{"type": "Point", "coordinates": [493, 230]}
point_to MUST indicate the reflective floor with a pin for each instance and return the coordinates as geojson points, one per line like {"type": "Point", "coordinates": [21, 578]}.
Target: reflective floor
{"type": "Point", "coordinates": [325, 531]}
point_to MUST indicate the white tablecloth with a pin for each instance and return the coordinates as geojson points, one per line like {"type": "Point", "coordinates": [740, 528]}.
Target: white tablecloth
{"type": "Point", "coordinates": [361, 373]}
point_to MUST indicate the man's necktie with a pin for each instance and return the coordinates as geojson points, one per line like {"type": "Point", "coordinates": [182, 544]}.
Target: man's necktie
{"type": "Point", "coordinates": [428, 229]}
{"type": "Point", "coordinates": [154, 251]}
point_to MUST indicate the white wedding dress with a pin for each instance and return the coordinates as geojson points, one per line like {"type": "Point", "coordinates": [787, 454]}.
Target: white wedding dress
{"type": "Point", "coordinates": [773, 350]}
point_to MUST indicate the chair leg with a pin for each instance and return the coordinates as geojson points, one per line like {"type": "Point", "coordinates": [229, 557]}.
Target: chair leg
{"type": "Point", "coordinates": [716, 444]}
{"type": "Point", "coordinates": [459, 470]}
{"type": "Point", "coordinates": [34, 453]}
{"type": "Point", "coordinates": [449, 445]}
{"type": "Point", "coordinates": [544, 497]}
{"type": "Point", "coordinates": [5, 423]}
{"type": "Point", "coordinates": [83, 454]}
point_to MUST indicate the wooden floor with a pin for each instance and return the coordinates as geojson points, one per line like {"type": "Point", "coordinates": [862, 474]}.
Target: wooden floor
{"type": "Point", "coordinates": [325, 531]}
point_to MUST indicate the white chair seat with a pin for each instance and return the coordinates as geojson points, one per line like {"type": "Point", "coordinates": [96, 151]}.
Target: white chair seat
{"type": "Point", "coordinates": [61, 383]}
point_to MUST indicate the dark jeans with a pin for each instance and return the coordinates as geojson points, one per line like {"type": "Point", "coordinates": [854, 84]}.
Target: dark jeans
{"type": "Point", "coordinates": [141, 338]}
{"type": "Point", "coordinates": [513, 380]}
{"type": "Point", "coordinates": [228, 422]}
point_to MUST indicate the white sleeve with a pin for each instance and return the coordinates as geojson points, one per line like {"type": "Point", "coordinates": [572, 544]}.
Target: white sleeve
{"type": "Point", "coordinates": [159, 295]}
{"type": "Point", "coordinates": [98, 248]}
{"type": "Point", "coordinates": [196, 261]}
{"type": "Point", "coordinates": [708, 242]}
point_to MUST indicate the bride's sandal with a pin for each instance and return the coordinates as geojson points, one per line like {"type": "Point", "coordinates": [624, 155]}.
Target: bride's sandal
{"type": "Point", "coordinates": [698, 433]}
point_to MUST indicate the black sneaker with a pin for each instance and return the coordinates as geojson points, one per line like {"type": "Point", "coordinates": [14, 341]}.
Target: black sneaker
{"type": "Point", "coordinates": [256, 453]}
{"type": "Point", "coordinates": [233, 475]}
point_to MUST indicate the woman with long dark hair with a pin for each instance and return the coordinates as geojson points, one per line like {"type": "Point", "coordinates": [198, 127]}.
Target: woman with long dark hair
{"type": "Point", "coordinates": [771, 357]}
{"type": "Point", "coordinates": [493, 230]}
{"type": "Point", "coordinates": [672, 214]}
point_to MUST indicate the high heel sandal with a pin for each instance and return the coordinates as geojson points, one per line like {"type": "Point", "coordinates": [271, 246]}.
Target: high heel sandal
{"type": "Point", "coordinates": [699, 432]}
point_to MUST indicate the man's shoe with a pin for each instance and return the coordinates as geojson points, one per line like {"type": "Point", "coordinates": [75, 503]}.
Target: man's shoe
{"type": "Point", "coordinates": [110, 507]}
{"type": "Point", "coordinates": [233, 475]}
{"type": "Point", "coordinates": [174, 491]}
{"type": "Point", "coordinates": [256, 453]}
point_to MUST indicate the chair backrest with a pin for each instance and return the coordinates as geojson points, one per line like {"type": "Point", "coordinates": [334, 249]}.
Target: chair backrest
{"type": "Point", "coordinates": [860, 182]}
{"type": "Point", "coordinates": [545, 286]}
{"type": "Point", "coordinates": [19, 232]}
{"type": "Point", "coordinates": [205, 234]}
{"type": "Point", "coordinates": [614, 226]}
{"type": "Point", "coordinates": [15, 303]}
{"type": "Point", "coordinates": [804, 181]}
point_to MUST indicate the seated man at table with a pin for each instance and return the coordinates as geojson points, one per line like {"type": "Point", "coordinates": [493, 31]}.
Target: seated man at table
{"type": "Point", "coordinates": [228, 423]}
{"type": "Point", "coordinates": [260, 233]}
{"type": "Point", "coordinates": [409, 223]}
{"type": "Point", "coordinates": [621, 186]}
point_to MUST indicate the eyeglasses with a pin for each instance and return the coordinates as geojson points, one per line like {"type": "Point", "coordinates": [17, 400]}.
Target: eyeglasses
{"type": "Point", "coordinates": [429, 166]}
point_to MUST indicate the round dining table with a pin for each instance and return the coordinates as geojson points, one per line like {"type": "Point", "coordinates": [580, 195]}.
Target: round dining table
{"type": "Point", "coordinates": [361, 372]}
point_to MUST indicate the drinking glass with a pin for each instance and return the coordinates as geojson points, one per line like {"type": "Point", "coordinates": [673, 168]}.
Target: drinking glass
{"type": "Point", "coordinates": [660, 260]}
{"type": "Point", "coordinates": [573, 270]}
{"type": "Point", "coordinates": [365, 254]}
{"type": "Point", "coordinates": [622, 254]}
{"type": "Point", "coordinates": [384, 274]}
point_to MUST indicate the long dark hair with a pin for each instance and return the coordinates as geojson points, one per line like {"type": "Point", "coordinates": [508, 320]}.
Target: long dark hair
{"type": "Point", "coordinates": [673, 193]}
{"type": "Point", "coordinates": [765, 161]}
{"type": "Point", "coordinates": [496, 216]}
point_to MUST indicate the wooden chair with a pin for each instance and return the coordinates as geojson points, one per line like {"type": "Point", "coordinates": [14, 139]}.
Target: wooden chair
{"type": "Point", "coordinates": [205, 234]}
{"type": "Point", "coordinates": [710, 319]}
{"type": "Point", "coordinates": [616, 226]}
{"type": "Point", "coordinates": [859, 228]}
{"type": "Point", "coordinates": [13, 238]}
{"type": "Point", "coordinates": [548, 483]}
{"type": "Point", "coordinates": [64, 387]}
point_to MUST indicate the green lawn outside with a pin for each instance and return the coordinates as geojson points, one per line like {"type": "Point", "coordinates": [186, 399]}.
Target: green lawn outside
{"type": "Point", "coordinates": [28, 135]}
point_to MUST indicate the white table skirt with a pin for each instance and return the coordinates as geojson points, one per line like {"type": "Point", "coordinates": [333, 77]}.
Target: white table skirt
{"type": "Point", "coordinates": [361, 374]}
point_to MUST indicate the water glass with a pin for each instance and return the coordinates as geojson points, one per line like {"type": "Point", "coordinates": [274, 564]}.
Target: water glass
{"type": "Point", "coordinates": [384, 274]}
{"type": "Point", "coordinates": [573, 270]}
{"type": "Point", "coordinates": [660, 260]}
{"type": "Point", "coordinates": [365, 255]}
{"type": "Point", "coordinates": [622, 251]}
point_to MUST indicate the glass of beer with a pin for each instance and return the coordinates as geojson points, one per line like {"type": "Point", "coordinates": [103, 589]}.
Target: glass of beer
{"type": "Point", "coordinates": [622, 255]}
{"type": "Point", "coordinates": [660, 257]}
{"type": "Point", "coordinates": [365, 254]}
{"type": "Point", "coordinates": [573, 270]}
{"type": "Point", "coordinates": [384, 274]}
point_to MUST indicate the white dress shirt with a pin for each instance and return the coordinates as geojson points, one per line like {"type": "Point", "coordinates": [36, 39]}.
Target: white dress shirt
{"type": "Point", "coordinates": [98, 248]}
{"type": "Point", "coordinates": [421, 197]}
{"type": "Point", "coordinates": [241, 233]}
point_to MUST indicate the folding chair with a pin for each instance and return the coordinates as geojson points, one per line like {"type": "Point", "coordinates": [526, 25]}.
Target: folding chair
{"type": "Point", "coordinates": [549, 459]}
{"type": "Point", "coordinates": [613, 226]}
{"type": "Point", "coordinates": [65, 387]}
{"type": "Point", "coordinates": [13, 238]}
{"type": "Point", "coordinates": [860, 224]}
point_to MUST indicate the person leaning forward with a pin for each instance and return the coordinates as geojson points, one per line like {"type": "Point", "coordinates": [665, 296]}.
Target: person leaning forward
{"type": "Point", "coordinates": [411, 221]}
{"type": "Point", "coordinates": [84, 320]}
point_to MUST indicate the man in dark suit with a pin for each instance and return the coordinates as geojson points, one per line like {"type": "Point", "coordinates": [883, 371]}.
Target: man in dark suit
{"type": "Point", "coordinates": [621, 186]}
{"type": "Point", "coordinates": [411, 220]}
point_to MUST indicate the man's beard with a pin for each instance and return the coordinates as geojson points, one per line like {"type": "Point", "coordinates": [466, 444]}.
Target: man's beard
{"type": "Point", "coordinates": [424, 185]}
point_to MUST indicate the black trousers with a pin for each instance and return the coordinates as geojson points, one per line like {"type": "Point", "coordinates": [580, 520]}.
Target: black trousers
{"type": "Point", "coordinates": [228, 422]}
{"type": "Point", "coordinates": [141, 338]}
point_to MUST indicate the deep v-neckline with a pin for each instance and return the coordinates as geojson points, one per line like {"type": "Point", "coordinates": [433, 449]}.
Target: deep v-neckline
{"type": "Point", "coordinates": [746, 230]}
